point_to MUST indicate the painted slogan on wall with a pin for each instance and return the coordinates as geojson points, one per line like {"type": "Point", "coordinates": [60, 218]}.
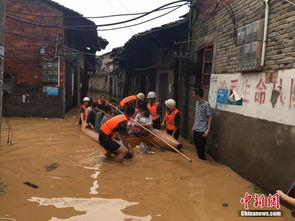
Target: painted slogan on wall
{"type": "Point", "coordinates": [269, 95]}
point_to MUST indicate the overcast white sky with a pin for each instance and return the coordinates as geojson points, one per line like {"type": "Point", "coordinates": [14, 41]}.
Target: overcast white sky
{"type": "Point", "coordinates": [118, 38]}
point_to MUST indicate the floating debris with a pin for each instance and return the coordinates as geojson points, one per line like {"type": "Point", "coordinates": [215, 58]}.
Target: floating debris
{"type": "Point", "coordinates": [225, 204]}
{"type": "Point", "coordinates": [31, 185]}
{"type": "Point", "coordinates": [51, 167]}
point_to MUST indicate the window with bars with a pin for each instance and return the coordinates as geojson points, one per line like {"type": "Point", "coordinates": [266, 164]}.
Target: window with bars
{"type": "Point", "coordinates": [207, 66]}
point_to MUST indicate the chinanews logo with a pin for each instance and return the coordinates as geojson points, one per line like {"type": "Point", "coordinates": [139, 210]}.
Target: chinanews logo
{"type": "Point", "coordinates": [262, 205]}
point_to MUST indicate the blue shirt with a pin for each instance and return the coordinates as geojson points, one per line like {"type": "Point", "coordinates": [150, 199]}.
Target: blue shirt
{"type": "Point", "coordinates": [202, 113]}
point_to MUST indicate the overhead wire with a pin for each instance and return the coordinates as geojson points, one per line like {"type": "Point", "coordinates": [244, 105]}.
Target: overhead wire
{"type": "Point", "coordinates": [89, 17]}
{"type": "Point", "coordinates": [110, 3]}
{"type": "Point", "coordinates": [92, 26]}
{"type": "Point", "coordinates": [154, 36]}
{"type": "Point", "coordinates": [112, 29]}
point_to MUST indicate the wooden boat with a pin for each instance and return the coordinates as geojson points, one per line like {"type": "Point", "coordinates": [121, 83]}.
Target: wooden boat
{"type": "Point", "coordinates": [164, 136]}
{"type": "Point", "coordinates": [90, 133]}
{"type": "Point", "coordinates": [151, 139]}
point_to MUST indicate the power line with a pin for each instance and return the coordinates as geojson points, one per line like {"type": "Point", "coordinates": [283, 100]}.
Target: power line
{"type": "Point", "coordinates": [110, 3]}
{"type": "Point", "coordinates": [29, 37]}
{"type": "Point", "coordinates": [112, 29]}
{"type": "Point", "coordinates": [90, 17]}
{"type": "Point", "coordinates": [94, 26]}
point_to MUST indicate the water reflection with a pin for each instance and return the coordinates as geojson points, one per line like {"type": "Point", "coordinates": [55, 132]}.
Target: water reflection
{"type": "Point", "coordinates": [95, 208]}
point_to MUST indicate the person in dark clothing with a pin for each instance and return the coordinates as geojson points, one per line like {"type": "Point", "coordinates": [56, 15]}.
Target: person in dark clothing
{"type": "Point", "coordinates": [99, 116]}
{"type": "Point", "coordinates": [106, 115]}
{"type": "Point", "coordinates": [91, 116]}
{"type": "Point", "coordinates": [114, 110]}
{"type": "Point", "coordinates": [202, 124]}
{"type": "Point", "coordinates": [172, 119]}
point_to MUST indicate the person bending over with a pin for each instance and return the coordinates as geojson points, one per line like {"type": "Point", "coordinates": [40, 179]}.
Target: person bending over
{"type": "Point", "coordinates": [110, 129]}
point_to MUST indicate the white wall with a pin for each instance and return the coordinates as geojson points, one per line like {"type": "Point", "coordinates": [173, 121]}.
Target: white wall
{"type": "Point", "coordinates": [256, 89]}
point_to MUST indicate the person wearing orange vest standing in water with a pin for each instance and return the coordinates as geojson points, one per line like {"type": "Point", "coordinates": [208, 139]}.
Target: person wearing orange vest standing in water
{"type": "Point", "coordinates": [84, 106]}
{"type": "Point", "coordinates": [172, 119]}
{"type": "Point", "coordinates": [110, 129]}
{"type": "Point", "coordinates": [133, 100]}
{"type": "Point", "coordinates": [155, 109]}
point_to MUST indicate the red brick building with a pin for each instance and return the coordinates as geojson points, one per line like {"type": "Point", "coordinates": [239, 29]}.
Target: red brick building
{"type": "Point", "coordinates": [48, 54]}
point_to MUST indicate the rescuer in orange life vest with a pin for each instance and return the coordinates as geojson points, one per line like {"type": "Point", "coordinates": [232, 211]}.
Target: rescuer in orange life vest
{"type": "Point", "coordinates": [172, 119]}
{"type": "Point", "coordinates": [110, 129]}
{"type": "Point", "coordinates": [155, 109]}
{"type": "Point", "coordinates": [133, 100]}
{"type": "Point", "coordinates": [84, 106]}
{"type": "Point", "coordinates": [102, 101]}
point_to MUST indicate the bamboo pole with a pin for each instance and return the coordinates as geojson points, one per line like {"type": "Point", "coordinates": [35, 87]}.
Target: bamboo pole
{"type": "Point", "coordinates": [160, 148]}
{"type": "Point", "coordinates": [164, 141]}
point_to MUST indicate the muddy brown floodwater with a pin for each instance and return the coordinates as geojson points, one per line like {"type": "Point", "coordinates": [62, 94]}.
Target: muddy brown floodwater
{"type": "Point", "coordinates": [83, 185]}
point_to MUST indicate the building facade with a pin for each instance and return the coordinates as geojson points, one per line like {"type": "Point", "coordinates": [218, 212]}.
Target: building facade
{"type": "Point", "coordinates": [47, 59]}
{"type": "Point", "coordinates": [255, 134]}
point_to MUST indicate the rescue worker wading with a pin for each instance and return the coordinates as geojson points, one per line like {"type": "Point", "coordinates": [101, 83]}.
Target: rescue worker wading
{"type": "Point", "coordinates": [155, 109]}
{"type": "Point", "coordinates": [110, 129]}
{"type": "Point", "coordinates": [83, 108]}
{"type": "Point", "coordinates": [172, 119]}
{"type": "Point", "coordinates": [133, 100]}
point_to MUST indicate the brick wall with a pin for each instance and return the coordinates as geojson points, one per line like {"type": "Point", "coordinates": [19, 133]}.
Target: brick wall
{"type": "Point", "coordinates": [217, 27]}
{"type": "Point", "coordinates": [22, 55]}
{"type": "Point", "coordinates": [250, 144]}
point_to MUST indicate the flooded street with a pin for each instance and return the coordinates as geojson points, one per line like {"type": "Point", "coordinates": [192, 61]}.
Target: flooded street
{"type": "Point", "coordinates": [83, 185]}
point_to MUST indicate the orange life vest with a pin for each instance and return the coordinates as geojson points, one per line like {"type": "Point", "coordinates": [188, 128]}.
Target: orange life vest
{"type": "Point", "coordinates": [110, 125]}
{"type": "Point", "coordinates": [169, 119]}
{"type": "Point", "coordinates": [127, 100]}
{"type": "Point", "coordinates": [84, 113]}
{"type": "Point", "coordinates": [153, 108]}
{"type": "Point", "coordinates": [100, 101]}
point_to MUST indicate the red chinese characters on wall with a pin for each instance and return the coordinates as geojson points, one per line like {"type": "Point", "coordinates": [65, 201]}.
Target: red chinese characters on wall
{"type": "Point", "coordinates": [260, 92]}
{"type": "Point", "coordinates": [234, 84]}
{"type": "Point", "coordinates": [245, 90]}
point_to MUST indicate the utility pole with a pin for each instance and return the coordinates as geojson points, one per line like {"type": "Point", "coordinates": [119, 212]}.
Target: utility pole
{"type": "Point", "coordinates": [2, 48]}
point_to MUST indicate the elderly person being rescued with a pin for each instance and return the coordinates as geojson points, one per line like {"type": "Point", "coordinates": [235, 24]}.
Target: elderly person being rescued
{"type": "Point", "coordinates": [144, 118]}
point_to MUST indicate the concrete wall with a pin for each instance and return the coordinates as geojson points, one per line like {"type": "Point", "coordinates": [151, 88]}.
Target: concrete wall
{"type": "Point", "coordinates": [256, 138]}
{"type": "Point", "coordinates": [97, 83]}
{"type": "Point", "coordinates": [260, 150]}
{"type": "Point", "coordinates": [33, 101]}
{"type": "Point", "coordinates": [269, 96]}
